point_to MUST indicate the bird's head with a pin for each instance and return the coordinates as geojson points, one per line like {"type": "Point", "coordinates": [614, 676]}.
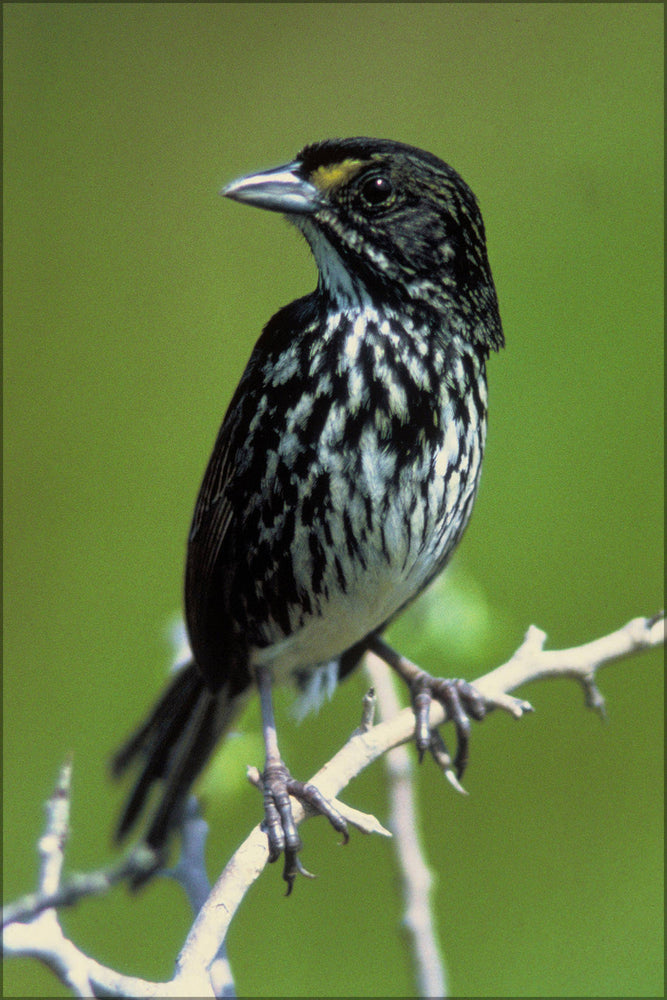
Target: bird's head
{"type": "Point", "coordinates": [386, 223]}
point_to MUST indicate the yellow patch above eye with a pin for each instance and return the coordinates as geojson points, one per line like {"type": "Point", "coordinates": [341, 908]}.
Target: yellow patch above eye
{"type": "Point", "coordinates": [336, 174]}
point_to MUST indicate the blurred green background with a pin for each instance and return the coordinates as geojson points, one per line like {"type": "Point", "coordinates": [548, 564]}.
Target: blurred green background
{"type": "Point", "coordinates": [133, 295]}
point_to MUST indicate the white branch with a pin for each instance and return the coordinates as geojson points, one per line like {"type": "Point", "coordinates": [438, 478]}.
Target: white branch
{"type": "Point", "coordinates": [41, 935]}
{"type": "Point", "coordinates": [417, 878]}
{"type": "Point", "coordinates": [202, 955]}
{"type": "Point", "coordinates": [529, 663]}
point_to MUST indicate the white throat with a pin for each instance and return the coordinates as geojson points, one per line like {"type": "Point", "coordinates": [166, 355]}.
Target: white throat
{"type": "Point", "coordinates": [334, 276]}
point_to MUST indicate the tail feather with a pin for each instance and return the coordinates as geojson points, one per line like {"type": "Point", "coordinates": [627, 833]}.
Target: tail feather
{"type": "Point", "coordinates": [173, 745]}
{"type": "Point", "coordinates": [194, 748]}
{"type": "Point", "coordinates": [174, 704]}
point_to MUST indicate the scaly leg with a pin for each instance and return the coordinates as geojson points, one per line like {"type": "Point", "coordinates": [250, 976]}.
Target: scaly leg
{"type": "Point", "coordinates": [278, 785]}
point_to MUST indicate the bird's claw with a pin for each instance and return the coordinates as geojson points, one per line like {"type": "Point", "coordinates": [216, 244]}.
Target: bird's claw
{"type": "Point", "coordinates": [461, 701]}
{"type": "Point", "coordinates": [281, 831]}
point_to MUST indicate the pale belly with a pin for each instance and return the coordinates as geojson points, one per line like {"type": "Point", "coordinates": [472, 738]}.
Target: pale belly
{"type": "Point", "coordinates": [346, 619]}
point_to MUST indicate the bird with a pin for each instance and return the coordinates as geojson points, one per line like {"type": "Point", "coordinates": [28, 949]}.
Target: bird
{"type": "Point", "coordinates": [343, 475]}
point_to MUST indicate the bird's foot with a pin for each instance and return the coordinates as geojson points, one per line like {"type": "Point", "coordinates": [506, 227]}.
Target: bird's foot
{"type": "Point", "coordinates": [281, 831]}
{"type": "Point", "coordinates": [461, 702]}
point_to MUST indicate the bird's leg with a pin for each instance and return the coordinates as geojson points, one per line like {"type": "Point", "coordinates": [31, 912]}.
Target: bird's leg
{"type": "Point", "coordinates": [278, 785]}
{"type": "Point", "coordinates": [459, 698]}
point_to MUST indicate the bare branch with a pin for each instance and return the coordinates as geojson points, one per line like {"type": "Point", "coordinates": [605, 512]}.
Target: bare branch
{"type": "Point", "coordinates": [42, 937]}
{"type": "Point", "coordinates": [77, 886]}
{"type": "Point", "coordinates": [416, 876]}
{"type": "Point", "coordinates": [30, 927]}
{"type": "Point", "coordinates": [530, 662]}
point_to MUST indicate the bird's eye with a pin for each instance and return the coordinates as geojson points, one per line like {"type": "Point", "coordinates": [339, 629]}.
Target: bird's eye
{"type": "Point", "coordinates": [376, 190]}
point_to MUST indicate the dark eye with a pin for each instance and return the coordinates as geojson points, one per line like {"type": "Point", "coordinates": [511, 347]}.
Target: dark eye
{"type": "Point", "coordinates": [376, 190]}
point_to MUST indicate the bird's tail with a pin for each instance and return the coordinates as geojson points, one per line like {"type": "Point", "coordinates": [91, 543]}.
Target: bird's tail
{"type": "Point", "coordinates": [172, 746]}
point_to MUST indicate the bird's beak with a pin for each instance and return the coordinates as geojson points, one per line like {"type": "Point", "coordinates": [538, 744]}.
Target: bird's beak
{"type": "Point", "coordinates": [279, 190]}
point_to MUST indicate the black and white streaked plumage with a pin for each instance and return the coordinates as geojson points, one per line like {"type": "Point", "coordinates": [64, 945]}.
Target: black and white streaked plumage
{"type": "Point", "coordinates": [346, 468]}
